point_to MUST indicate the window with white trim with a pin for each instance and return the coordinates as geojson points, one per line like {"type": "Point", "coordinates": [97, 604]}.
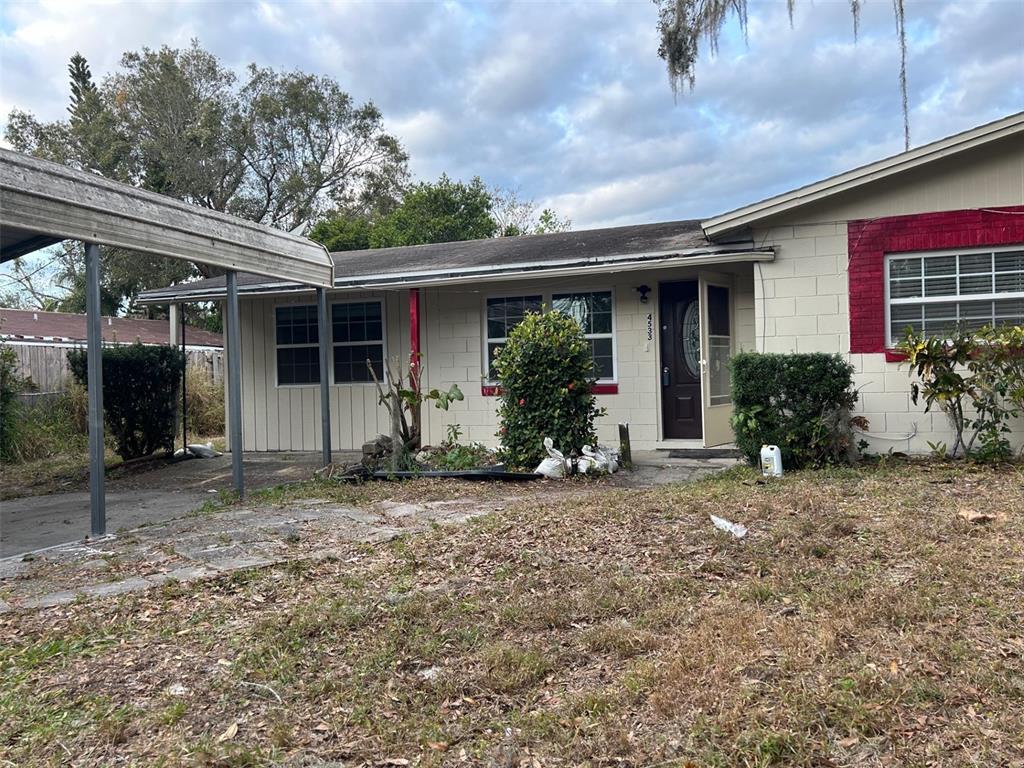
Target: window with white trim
{"type": "Point", "coordinates": [503, 314]}
{"type": "Point", "coordinates": [593, 310]}
{"type": "Point", "coordinates": [358, 331]}
{"type": "Point", "coordinates": [935, 293]}
{"type": "Point", "coordinates": [298, 338]}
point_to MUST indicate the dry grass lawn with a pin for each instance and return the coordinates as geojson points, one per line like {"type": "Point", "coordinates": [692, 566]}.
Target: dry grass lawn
{"type": "Point", "coordinates": [862, 622]}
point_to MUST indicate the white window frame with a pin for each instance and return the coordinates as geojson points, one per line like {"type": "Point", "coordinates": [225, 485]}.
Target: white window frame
{"type": "Point", "coordinates": [383, 339]}
{"type": "Point", "coordinates": [330, 324]}
{"type": "Point", "coordinates": [546, 305]}
{"type": "Point", "coordinates": [946, 298]}
{"type": "Point", "coordinates": [277, 371]}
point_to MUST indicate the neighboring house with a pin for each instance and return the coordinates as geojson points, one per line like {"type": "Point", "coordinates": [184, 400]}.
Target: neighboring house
{"type": "Point", "coordinates": [41, 341]}
{"type": "Point", "coordinates": [926, 238]}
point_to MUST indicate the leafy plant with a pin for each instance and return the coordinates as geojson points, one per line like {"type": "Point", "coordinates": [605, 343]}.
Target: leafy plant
{"type": "Point", "coordinates": [546, 376]}
{"type": "Point", "coordinates": [402, 398]}
{"type": "Point", "coordinates": [799, 402]}
{"type": "Point", "coordinates": [976, 378]}
{"type": "Point", "coordinates": [140, 395]}
{"type": "Point", "coordinates": [11, 385]}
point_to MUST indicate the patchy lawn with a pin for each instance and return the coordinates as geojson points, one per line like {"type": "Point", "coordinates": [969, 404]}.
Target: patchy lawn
{"type": "Point", "coordinates": [863, 621]}
{"type": "Point", "coordinates": [69, 471]}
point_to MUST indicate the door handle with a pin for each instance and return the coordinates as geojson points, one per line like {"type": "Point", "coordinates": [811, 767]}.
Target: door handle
{"type": "Point", "coordinates": [666, 377]}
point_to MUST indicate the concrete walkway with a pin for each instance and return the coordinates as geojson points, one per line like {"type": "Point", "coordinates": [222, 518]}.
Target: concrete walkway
{"type": "Point", "coordinates": [142, 497]}
{"type": "Point", "coordinates": [160, 537]}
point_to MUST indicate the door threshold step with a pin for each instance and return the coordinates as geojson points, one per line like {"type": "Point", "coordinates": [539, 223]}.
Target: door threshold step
{"type": "Point", "coordinates": [704, 453]}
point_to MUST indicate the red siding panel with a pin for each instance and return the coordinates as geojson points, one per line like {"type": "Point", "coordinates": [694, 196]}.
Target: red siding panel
{"type": "Point", "coordinates": [871, 239]}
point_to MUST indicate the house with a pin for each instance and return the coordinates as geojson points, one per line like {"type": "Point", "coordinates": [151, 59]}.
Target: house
{"type": "Point", "coordinates": [925, 238]}
{"type": "Point", "coordinates": [41, 340]}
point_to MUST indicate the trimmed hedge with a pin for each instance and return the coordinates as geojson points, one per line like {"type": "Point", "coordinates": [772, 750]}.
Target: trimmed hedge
{"type": "Point", "coordinates": [799, 402]}
{"type": "Point", "coordinates": [140, 395]}
{"type": "Point", "coordinates": [546, 373]}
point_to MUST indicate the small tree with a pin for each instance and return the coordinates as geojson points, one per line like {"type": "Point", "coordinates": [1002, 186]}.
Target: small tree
{"type": "Point", "coordinates": [975, 378]}
{"type": "Point", "coordinates": [546, 376]}
{"type": "Point", "coordinates": [140, 395]}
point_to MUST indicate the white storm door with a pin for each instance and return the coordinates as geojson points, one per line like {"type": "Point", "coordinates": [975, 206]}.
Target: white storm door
{"type": "Point", "coordinates": [716, 345]}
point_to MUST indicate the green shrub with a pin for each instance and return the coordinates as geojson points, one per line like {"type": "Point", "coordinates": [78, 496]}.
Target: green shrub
{"type": "Point", "coordinates": [11, 385]}
{"type": "Point", "coordinates": [546, 377]}
{"type": "Point", "coordinates": [799, 402]}
{"type": "Point", "coordinates": [141, 388]}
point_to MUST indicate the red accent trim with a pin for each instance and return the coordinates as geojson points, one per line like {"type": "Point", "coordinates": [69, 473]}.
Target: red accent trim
{"type": "Point", "coordinates": [491, 390]}
{"type": "Point", "coordinates": [892, 356]}
{"type": "Point", "coordinates": [414, 336]}
{"type": "Point", "coordinates": [871, 239]}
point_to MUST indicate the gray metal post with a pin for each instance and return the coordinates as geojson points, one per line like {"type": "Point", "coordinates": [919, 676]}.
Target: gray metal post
{"type": "Point", "coordinates": [323, 323]}
{"type": "Point", "coordinates": [234, 353]}
{"type": "Point", "coordinates": [94, 358]}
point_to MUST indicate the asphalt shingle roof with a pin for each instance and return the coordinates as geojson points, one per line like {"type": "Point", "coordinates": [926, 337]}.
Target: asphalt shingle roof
{"type": "Point", "coordinates": [636, 242]}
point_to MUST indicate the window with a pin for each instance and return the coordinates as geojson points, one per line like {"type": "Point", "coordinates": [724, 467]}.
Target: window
{"type": "Point", "coordinates": [591, 309]}
{"type": "Point", "coordinates": [935, 293]}
{"type": "Point", "coordinates": [719, 346]}
{"type": "Point", "coordinates": [358, 330]}
{"type": "Point", "coordinates": [504, 314]}
{"type": "Point", "coordinates": [298, 359]}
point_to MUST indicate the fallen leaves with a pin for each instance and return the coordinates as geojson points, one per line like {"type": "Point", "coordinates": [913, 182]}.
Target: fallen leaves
{"type": "Point", "coordinates": [229, 733]}
{"type": "Point", "coordinates": [647, 623]}
{"type": "Point", "coordinates": [974, 517]}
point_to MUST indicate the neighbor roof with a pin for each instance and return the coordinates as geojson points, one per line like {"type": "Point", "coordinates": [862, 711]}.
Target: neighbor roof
{"type": "Point", "coordinates": [43, 203]}
{"type": "Point", "coordinates": [493, 258]}
{"type": "Point", "coordinates": [63, 327]}
{"type": "Point", "coordinates": [740, 218]}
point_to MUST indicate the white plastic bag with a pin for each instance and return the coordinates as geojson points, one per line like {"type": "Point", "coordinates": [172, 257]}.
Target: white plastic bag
{"type": "Point", "coordinates": [199, 451]}
{"type": "Point", "coordinates": [737, 530]}
{"type": "Point", "coordinates": [555, 465]}
{"type": "Point", "coordinates": [599, 459]}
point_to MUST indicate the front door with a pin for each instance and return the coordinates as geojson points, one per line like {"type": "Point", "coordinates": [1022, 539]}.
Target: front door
{"type": "Point", "coordinates": [680, 360]}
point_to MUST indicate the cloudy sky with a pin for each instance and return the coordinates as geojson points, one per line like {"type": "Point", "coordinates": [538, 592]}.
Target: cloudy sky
{"type": "Point", "coordinates": [568, 102]}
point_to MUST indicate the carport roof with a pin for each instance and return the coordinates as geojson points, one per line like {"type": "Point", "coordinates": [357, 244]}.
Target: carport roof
{"type": "Point", "coordinates": [43, 203]}
{"type": "Point", "coordinates": [493, 258]}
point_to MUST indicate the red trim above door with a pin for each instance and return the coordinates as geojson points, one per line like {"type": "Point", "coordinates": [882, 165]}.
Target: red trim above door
{"type": "Point", "coordinates": [871, 239]}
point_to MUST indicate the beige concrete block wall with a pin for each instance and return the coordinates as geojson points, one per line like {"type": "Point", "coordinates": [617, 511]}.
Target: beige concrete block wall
{"type": "Point", "coordinates": [453, 343]}
{"type": "Point", "coordinates": [803, 306]}
{"type": "Point", "coordinates": [287, 418]}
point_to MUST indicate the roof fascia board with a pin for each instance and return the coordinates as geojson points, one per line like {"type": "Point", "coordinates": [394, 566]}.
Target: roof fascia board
{"type": "Point", "coordinates": [54, 201]}
{"type": "Point", "coordinates": [411, 280]}
{"type": "Point", "coordinates": [743, 217]}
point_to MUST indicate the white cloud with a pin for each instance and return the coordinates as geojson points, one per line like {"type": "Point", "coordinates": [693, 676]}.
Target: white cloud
{"type": "Point", "coordinates": [569, 103]}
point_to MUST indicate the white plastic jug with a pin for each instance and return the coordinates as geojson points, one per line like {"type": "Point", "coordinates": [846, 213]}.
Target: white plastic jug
{"type": "Point", "coordinates": [771, 461]}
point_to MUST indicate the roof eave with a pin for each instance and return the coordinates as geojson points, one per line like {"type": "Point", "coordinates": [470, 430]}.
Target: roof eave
{"type": "Point", "coordinates": [631, 263]}
{"type": "Point", "coordinates": [750, 214]}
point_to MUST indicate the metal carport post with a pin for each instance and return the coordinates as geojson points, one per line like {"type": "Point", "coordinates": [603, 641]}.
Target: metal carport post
{"type": "Point", "coordinates": [43, 203]}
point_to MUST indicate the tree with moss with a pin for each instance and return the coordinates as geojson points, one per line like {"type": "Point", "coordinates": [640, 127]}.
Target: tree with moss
{"type": "Point", "coordinates": [682, 24]}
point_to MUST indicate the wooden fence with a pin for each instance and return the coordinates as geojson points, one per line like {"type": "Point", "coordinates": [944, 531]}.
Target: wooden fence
{"type": "Point", "coordinates": [47, 364]}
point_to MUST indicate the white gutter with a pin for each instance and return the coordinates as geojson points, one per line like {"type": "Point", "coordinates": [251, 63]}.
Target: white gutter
{"type": "Point", "coordinates": [422, 279]}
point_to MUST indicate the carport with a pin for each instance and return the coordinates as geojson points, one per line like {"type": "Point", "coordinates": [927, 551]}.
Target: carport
{"type": "Point", "coordinates": [44, 203]}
